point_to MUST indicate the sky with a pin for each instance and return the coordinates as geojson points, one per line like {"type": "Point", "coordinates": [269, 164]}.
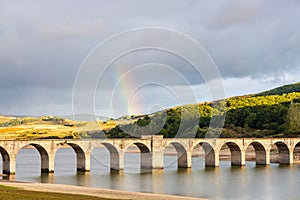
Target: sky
{"type": "Point", "coordinates": [45, 45]}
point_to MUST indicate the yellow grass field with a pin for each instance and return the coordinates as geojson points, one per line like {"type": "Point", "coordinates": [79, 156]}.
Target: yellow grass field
{"type": "Point", "coordinates": [37, 128]}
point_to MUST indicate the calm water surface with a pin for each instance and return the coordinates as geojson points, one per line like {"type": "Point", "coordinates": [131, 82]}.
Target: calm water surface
{"type": "Point", "coordinates": [226, 182]}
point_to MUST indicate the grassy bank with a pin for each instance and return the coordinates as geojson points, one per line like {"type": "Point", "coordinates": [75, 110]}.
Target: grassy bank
{"type": "Point", "coordinates": [12, 193]}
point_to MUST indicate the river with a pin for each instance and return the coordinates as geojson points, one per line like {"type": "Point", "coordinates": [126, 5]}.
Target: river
{"type": "Point", "coordinates": [224, 182]}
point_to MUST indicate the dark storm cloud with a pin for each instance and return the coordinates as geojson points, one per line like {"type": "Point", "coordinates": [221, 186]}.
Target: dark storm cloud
{"type": "Point", "coordinates": [44, 43]}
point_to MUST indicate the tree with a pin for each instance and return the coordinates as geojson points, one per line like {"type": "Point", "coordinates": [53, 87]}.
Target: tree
{"type": "Point", "coordinates": [293, 118]}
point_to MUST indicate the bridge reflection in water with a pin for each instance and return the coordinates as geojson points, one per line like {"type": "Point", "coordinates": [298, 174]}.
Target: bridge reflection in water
{"type": "Point", "coordinates": [152, 149]}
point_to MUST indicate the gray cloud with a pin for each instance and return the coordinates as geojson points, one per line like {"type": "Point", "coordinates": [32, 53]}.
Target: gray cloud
{"type": "Point", "coordinates": [44, 43]}
{"type": "Point", "coordinates": [235, 13]}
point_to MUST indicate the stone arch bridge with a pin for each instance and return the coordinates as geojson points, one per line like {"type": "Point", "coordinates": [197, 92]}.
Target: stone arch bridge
{"type": "Point", "coordinates": [152, 151]}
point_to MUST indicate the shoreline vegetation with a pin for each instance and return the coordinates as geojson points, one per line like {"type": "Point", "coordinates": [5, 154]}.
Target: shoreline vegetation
{"type": "Point", "coordinates": [21, 190]}
{"type": "Point", "coordinates": [274, 113]}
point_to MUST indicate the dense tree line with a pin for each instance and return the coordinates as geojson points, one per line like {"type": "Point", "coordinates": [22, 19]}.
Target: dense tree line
{"type": "Point", "coordinates": [282, 90]}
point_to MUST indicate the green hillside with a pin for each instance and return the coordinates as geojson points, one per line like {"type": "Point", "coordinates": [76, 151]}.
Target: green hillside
{"type": "Point", "coordinates": [272, 113]}
{"type": "Point", "coordinates": [282, 90]}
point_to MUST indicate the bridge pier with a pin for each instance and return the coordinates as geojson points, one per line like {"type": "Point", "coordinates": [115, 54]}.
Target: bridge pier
{"type": "Point", "coordinates": [262, 157]}
{"type": "Point", "coordinates": [6, 164]}
{"type": "Point", "coordinates": [87, 165]}
{"type": "Point", "coordinates": [51, 163]}
{"type": "Point", "coordinates": [157, 152]}
{"type": "Point", "coordinates": [117, 160]}
{"type": "Point", "coordinates": [238, 158]}
{"type": "Point", "coordinates": [211, 158]}
{"type": "Point", "coordinates": [146, 160]}
{"type": "Point", "coordinates": [291, 157]}
{"type": "Point", "coordinates": [286, 157]}
{"type": "Point", "coordinates": [12, 165]}
{"type": "Point", "coordinates": [81, 161]}
{"type": "Point", "coordinates": [210, 154]}
{"type": "Point", "coordinates": [44, 163]}
{"type": "Point", "coordinates": [157, 160]}
{"type": "Point", "coordinates": [184, 159]}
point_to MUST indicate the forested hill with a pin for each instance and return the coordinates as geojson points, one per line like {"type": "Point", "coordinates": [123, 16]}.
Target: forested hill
{"type": "Point", "coordinates": [282, 90]}
{"type": "Point", "coordinates": [274, 113]}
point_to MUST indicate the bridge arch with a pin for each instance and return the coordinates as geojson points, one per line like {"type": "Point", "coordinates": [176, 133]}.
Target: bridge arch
{"type": "Point", "coordinates": [145, 153]}
{"type": "Point", "coordinates": [284, 152]}
{"type": "Point", "coordinates": [114, 156]}
{"type": "Point", "coordinates": [80, 156]}
{"type": "Point", "coordinates": [209, 154]}
{"type": "Point", "coordinates": [5, 161]}
{"type": "Point", "coordinates": [235, 153]}
{"type": "Point", "coordinates": [296, 152]}
{"type": "Point", "coordinates": [44, 157]}
{"type": "Point", "coordinates": [260, 153]}
{"type": "Point", "coordinates": [182, 157]}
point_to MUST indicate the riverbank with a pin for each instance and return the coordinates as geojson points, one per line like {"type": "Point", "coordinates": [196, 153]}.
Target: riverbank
{"type": "Point", "coordinates": [98, 192]}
